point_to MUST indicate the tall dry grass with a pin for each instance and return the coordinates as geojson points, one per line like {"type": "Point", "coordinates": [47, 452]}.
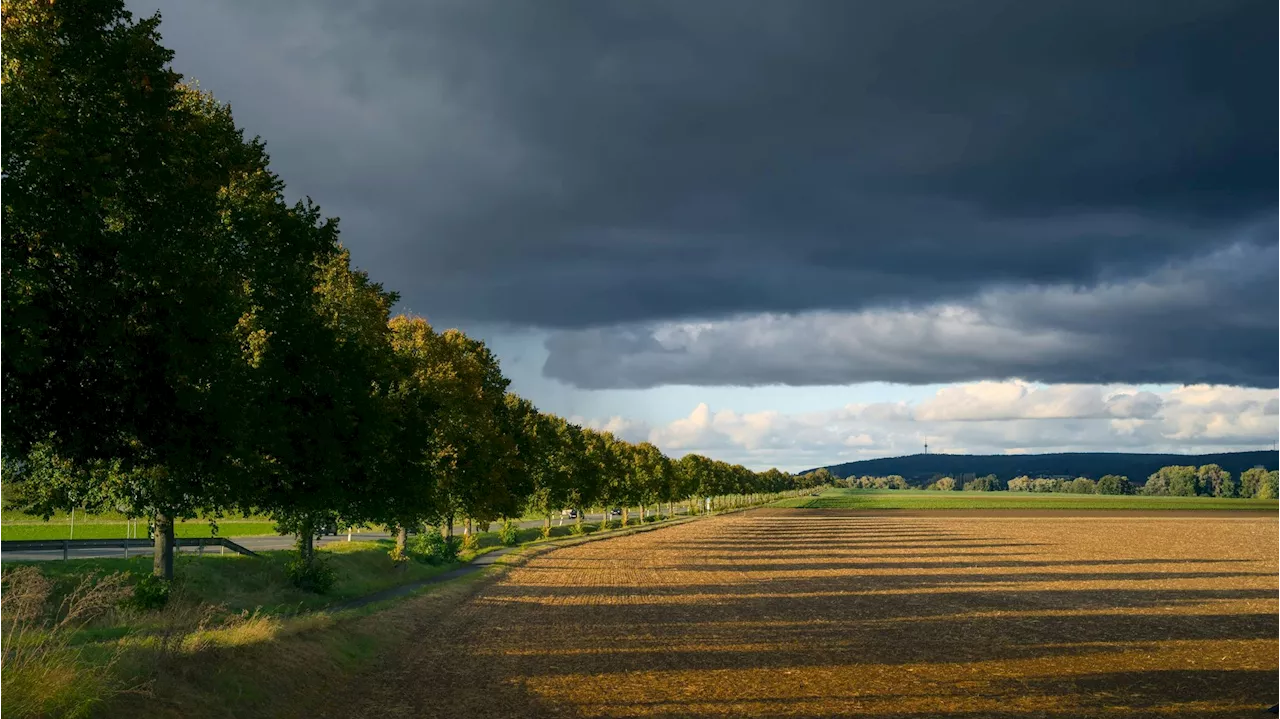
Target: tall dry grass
{"type": "Point", "coordinates": [42, 672]}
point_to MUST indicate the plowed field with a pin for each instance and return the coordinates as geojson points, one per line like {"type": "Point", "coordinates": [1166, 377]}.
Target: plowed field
{"type": "Point", "coordinates": [805, 613]}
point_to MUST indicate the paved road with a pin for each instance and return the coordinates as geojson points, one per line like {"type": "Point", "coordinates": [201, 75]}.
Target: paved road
{"type": "Point", "coordinates": [255, 543]}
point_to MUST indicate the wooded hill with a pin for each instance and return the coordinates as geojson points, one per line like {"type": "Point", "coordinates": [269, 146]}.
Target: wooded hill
{"type": "Point", "coordinates": [920, 469]}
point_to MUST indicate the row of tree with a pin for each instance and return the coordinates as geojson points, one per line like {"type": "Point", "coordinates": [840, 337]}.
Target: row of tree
{"type": "Point", "coordinates": [1209, 480]}
{"type": "Point", "coordinates": [180, 341]}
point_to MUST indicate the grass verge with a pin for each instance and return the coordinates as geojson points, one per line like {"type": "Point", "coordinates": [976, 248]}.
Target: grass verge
{"type": "Point", "coordinates": [118, 530]}
{"type": "Point", "coordinates": [236, 639]}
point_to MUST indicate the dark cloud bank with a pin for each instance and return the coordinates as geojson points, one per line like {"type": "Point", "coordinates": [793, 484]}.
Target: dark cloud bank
{"type": "Point", "coordinates": [837, 191]}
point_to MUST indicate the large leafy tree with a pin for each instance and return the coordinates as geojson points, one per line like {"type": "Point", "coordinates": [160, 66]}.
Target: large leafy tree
{"type": "Point", "coordinates": [1113, 484]}
{"type": "Point", "coordinates": [584, 460]}
{"type": "Point", "coordinates": [123, 288]}
{"type": "Point", "coordinates": [601, 483]}
{"type": "Point", "coordinates": [560, 467]}
{"type": "Point", "coordinates": [326, 418]}
{"type": "Point", "coordinates": [1251, 480]}
{"type": "Point", "coordinates": [521, 423]}
{"type": "Point", "coordinates": [653, 474]}
{"type": "Point", "coordinates": [410, 488]}
{"type": "Point", "coordinates": [1213, 480]}
{"type": "Point", "coordinates": [1176, 480]}
{"type": "Point", "coordinates": [470, 438]}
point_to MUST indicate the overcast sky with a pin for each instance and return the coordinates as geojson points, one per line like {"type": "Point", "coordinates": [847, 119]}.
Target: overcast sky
{"type": "Point", "coordinates": [796, 233]}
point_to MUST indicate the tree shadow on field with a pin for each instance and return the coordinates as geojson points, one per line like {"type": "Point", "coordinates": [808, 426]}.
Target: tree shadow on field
{"type": "Point", "coordinates": [1189, 694]}
{"type": "Point", "coordinates": [872, 622]}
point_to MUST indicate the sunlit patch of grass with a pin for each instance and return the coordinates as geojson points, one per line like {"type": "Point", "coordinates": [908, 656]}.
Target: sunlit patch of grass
{"type": "Point", "coordinates": [272, 666]}
{"type": "Point", "coordinates": [37, 530]}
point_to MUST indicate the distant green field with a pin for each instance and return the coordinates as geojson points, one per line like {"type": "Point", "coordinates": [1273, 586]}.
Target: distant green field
{"type": "Point", "coordinates": [922, 499]}
{"type": "Point", "coordinates": [61, 529]}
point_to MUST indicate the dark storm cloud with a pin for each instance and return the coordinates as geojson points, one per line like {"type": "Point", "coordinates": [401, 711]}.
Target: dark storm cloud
{"type": "Point", "coordinates": [588, 164]}
{"type": "Point", "coordinates": [1210, 321]}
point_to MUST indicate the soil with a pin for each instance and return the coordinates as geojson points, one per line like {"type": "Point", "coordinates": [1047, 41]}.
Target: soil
{"type": "Point", "coordinates": [811, 613]}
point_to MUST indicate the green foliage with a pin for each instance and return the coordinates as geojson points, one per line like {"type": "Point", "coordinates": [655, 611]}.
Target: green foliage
{"type": "Point", "coordinates": [432, 546]}
{"type": "Point", "coordinates": [1251, 481]}
{"type": "Point", "coordinates": [945, 484]}
{"type": "Point", "coordinates": [509, 533]}
{"type": "Point", "coordinates": [1113, 484]}
{"type": "Point", "coordinates": [316, 576]}
{"type": "Point", "coordinates": [893, 481]}
{"type": "Point", "coordinates": [151, 593]}
{"type": "Point", "coordinates": [1215, 481]}
{"type": "Point", "coordinates": [989, 483]}
{"type": "Point", "coordinates": [1177, 481]}
{"type": "Point", "coordinates": [1268, 487]}
{"type": "Point", "coordinates": [398, 556]}
{"type": "Point", "coordinates": [182, 342]}
{"type": "Point", "coordinates": [577, 529]}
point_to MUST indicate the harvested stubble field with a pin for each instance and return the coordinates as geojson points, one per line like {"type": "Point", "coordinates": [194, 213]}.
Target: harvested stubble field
{"type": "Point", "coordinates": [810, 613]}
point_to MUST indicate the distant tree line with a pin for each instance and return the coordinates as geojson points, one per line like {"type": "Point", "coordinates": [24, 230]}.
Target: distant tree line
{"type": "Point", "coordinates": [1208, 480]}
{"type": "Point", "coordinates": [180, 341]}
{"type": "Point", "coordinates": [922, 469]}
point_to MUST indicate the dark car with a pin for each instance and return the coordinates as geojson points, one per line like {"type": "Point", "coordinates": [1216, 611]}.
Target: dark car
{"type": "Point", "coordinates": [615, 512]}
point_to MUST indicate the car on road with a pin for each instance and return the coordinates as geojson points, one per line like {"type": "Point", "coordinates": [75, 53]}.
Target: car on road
{"type": "Point", "coordinates": [570, 513]}
{"type": "Point", "coordinates": [615, 512]}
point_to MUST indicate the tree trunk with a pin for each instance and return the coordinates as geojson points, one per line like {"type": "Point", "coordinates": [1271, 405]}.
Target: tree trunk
{"type": "Point", "coordinates": [306, 541]}
{"type": "Point", "coordinates": [625, 513]}
{"type": "Point", "coordinates": [163, 565]}
{"type": "Point", "coordinates": [448, 521]}
{"type": "Point", "coordinates": [579, 519]}
{"type": "Point", "coordinates": [546, 525]}
{"type": "Point", "coordinates": [402, 539]}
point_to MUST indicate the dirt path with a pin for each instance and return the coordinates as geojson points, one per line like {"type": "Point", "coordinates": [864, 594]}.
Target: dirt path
{"type": "Point", "coordinates": [811, 615]}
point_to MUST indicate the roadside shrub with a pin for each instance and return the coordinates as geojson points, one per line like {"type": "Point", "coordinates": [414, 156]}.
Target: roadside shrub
{"type": "Point", "coordinates": [470, 542]}
{"type": "Point", "coordinates": [546, 531]}
{"type": "Point", "coordinates": [946, 484]}
{"type": "Point", "coordinates": [315, 576]}
{"type": "Point", "coordinates": [398, 557]}
{"type": "Point", "coordinates": [509, 533]}
{"type": "Point", "coordinates": [428, 544]}
{"type": "Point", "coordinates": [578, 528]}
{"type": "Point", "coordinates": [150, 593]}
{"type": "Point", "coordinates": [432, 546]}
